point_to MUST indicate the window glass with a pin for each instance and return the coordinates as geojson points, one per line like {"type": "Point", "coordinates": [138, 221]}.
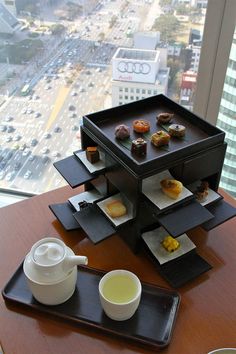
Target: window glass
{"type": "Point", "coordinates": [61, 60]}
{"type": "Point", "coordinates": [227, 122]}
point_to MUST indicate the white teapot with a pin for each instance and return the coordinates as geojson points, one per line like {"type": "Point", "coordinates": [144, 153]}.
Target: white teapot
{"type": "Point", "coordinates": [51, 270]}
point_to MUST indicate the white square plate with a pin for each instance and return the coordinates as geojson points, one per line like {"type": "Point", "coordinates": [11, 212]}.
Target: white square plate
{"type": "Point", "coordinates": [154, 238]}
{"type": "Point", "coordinates": [152, 189]}
{"type": "Point", "coordinates": [92, 167]}
{"type": "Point", "coordinates": [129, 207]}
{"type": "Point", "coordinates": [212, 195]}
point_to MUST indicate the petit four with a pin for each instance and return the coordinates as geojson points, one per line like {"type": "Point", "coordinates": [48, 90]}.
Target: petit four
{"type": "Point", "coordinates": [202, 191]}
{"type": "Point", "coordinates": [92, 154]}
{"type": "Point", "coordinates": [160, 138]}
{"type": "Point", "coordinates": [122, 132]}
{"type": "Point", "coordinates": [139, 147]}
{"type": "Point", "coordinates": [83, 204]}
{"type": "Point", "coordinates": [171, 187]}
{"type": "Point", "coordinates": [115, 208]}
{"type": "Point", "coordinates": [141, 126]}
{"type": "Point", "coordinates": [170, 244]}
{"type": "Point", "coordinates": [177, 130]}
{"type": "Point", "coordinates": [164, 118]}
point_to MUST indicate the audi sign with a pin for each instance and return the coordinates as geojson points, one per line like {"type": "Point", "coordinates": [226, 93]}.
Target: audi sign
{"type": "Point", "coordinates": [134, 71]}
{"type": "Point", "coordinates": [134, 67]}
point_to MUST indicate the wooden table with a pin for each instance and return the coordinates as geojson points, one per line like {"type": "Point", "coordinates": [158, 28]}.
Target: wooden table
{"type": "Point", "coordinates": [207, 314]}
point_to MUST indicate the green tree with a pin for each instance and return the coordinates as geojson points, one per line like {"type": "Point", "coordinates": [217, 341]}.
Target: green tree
{"type": "Point", "coordinates": [175, 66]}
{"type": "Point", "coordinates": [168, 26]}
{"type": "Point", "coordinates": [57, 29]}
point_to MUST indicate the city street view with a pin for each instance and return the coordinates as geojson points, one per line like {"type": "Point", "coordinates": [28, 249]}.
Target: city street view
{"type": "Point", "coordinates": [56, 67]}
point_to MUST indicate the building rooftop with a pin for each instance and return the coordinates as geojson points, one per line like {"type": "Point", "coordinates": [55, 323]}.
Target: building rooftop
{"type": "Point", "coordinates": [5, 15]}
{"type": "Point", "coordinates": [124, 53]}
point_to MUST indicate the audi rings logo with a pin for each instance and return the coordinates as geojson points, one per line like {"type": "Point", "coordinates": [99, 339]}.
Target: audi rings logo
{"type": "Point", "coordinates": [134, 67]}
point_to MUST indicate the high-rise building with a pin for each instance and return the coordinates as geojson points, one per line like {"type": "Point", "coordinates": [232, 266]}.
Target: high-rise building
{"type": "Point", "coordinates": [227, 122]}
{"type": "Point", "coordinates": [137, 74]}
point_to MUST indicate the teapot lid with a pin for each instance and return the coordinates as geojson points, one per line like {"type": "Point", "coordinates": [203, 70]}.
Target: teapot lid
{"type": "Point", "coordinates": [48, 252]}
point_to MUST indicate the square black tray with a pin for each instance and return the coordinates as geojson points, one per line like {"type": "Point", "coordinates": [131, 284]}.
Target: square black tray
{"type": "Point", "coordinates": [151, 325]}
{"type": "Point", "coordinates": [200, 135]}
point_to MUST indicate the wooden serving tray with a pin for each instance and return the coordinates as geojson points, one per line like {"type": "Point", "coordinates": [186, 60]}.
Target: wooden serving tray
{"type": "Point", "coordinates": [200, 135]}
{"type": "Point", "coordinates": [151, 325]}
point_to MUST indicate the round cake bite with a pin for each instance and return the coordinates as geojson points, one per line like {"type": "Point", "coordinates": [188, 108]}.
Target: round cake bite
{"type": "Point", "coordinates": [141, 126]}
{"type": "Point", "coordinates": [164, 118]}
{"type": "Point", "coordinates": [177, 130]}
{"type": "Point", "coordinates": [122, 132]}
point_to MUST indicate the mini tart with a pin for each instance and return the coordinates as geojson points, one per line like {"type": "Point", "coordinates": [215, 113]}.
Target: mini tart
{"type": "Point", "coordinates": [164, 118]}
{"type": "Point", "coordinates": [160, 138]}
{"type": "Point", "coordinates": [141, 126]}
{"type": "Point", "coordinates": [177, 130]}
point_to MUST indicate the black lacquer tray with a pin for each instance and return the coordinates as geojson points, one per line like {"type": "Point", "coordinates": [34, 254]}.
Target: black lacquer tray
{"type": "Point", "coordinates": [151, 325]}
{"type": "Point", "coordinates": [200, 135]}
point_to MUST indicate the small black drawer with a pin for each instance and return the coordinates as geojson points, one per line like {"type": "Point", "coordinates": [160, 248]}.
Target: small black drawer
{"type": "Point", "coordinates": [204, 165]}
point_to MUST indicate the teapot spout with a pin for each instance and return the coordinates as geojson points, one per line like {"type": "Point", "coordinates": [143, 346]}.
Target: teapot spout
{"type": "Point", "coordinates": [76, 260]}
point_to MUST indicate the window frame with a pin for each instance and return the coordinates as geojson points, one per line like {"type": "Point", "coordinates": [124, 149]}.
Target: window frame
{"type": "Point", "coordinates": [218, 34]}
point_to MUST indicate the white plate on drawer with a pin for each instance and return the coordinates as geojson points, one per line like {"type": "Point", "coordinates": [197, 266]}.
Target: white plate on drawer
{"type": "Point", "coordinates": [122, 219]}
{"type": "Point", "coordinates": [151, 188]}
{"type": "Point", "coordinates": [154, 238]}
{"type": "Point", "coordinates": [92, 167]}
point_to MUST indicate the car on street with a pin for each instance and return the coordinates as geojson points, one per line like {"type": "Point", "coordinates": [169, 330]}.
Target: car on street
{"type": "Point", "coordinates": [27, 174]}
{"type": "Point", "coordinates": [34, 142]}
{"type": "Point", "coordinates": [45, 150]}
{"type": "Point", "coordinates": [57, 129]}
{"type": "Point", "coordinates": [17, 166]}
{"type": "Point", "coordinates": [3, 128]}
{"type": "Point", "coordinates": [46, 135]}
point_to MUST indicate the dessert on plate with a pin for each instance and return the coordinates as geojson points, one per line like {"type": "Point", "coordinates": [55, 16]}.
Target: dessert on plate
{"type": "Point", "coordinates": [170, 244]}
{"type": "Point", "coordinates": [202, 191]}
{"type": "Point", "coordinates": [92, 154]}
{"type": "Point", "coordinates": [141, 126]}
{"type": "Point", "coordinates": [139, 147]}
{"type": "Point", "coordinates": [177, 130]}
{"type": "Point", "coordinates": [160, 138]}
{"type": "Point", "coordinates": [115, 208]}
{"type": "Point", "coordinates": [122, 132]}
{"type": "Point", "coordinates": [171, 187]}
{"type": "Point", "coordinates": [164, 118]}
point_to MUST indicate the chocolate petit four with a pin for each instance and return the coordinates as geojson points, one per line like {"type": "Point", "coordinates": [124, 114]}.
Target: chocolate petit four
{"type": "Point", "coordinates": [177, 130]}
{"type": "Point", "coordinates": [160, 138]}
{"type": "Point", "coordinates": [122, 132]}
{"type": "Point", "coordinates": [141, 126]}
{"type": "Point", "coordinates": [139, 147]}
{"type": "Point", "coordinates": [171, 187]}
{"type": "Point", "coordinates": [164, 118]}
{"type": "Point", "coordinates": [92, 154]}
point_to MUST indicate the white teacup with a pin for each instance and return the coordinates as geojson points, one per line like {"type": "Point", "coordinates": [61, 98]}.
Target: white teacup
{"type": "Point", "coordinates": [120, 294]}
{"type": "Point", "coordinates": [224, 351]}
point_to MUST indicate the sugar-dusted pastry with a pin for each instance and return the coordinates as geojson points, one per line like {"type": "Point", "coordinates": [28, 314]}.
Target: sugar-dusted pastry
{"type": "Point", "coordinates": [139, 147]}
{"type": "Point", "coordinates": [177, 130]}
{"type": "Point", "coordinates": [202, 191]}
{"type": "Point", "coordinates": [115, 208]}
{"type": "Point", "coordinates": [164, 118]}
{"type": "Point", "coordinates": [171, 187]}
{"type": "Point", "coordinates": [141, 126]}
{"type": "Point", "coordinates": [92, 154]}
{"type": "Point", "coordinates": [122, 132]}
{"type": "Point", "coordinates": [160, 138]}
{"type": "Point", "coordinates": [170, 244]}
